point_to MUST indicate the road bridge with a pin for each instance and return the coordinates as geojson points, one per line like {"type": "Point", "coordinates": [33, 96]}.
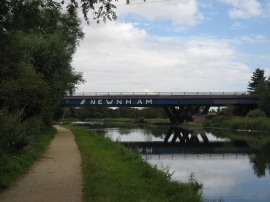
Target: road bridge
{"type": "Point", "coordinates": [179, 106]}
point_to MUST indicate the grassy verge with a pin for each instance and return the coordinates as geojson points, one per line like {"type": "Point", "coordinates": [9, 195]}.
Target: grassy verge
{"type": "Point", "coordinates": [14, 165]}
{"type": "Point", "coordinates": [239, 123]}
{"type": "Point", "coordinates": [113, 173]}
{"type": "Point", "coordinates": [158, 121]}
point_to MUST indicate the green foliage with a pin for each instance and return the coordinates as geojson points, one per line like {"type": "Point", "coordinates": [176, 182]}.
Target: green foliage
{"type": "Point", "coordinates": [239, 123]}
{"type": "Point", "coordinates": [125, 175]}
{"type": "Point", "coordinates": [102, 10]}
{"type": "Point", "coordinates": [232, 110]}
{"type": "Point", "coordinates": [38, 40]}
{"type": "Point", "coordinates": [15, 164]}
{"type": "Point", "coordinates": [264, 96]}
{"type": "Point", "coordinates": [14, 134]}
{"type": "Point", "coordinates": [257, 78]}
{"type": "Point", "coordinates": [196, 186]}
{"type": "Point", "coordinates": [256, 113]}
{"type": "Point", "coordinates": [106, 113]}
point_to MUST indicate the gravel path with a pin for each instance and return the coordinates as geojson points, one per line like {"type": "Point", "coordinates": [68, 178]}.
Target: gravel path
{"type": "Point", "coordinates": [56, 177]}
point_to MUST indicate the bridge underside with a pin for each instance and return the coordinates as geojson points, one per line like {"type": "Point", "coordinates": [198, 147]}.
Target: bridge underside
{"type": "Point", "coordinates": [180, 114]}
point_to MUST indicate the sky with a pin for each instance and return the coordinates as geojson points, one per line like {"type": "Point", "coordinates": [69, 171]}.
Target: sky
{"type": "Point", "coordinates": [176, 46]}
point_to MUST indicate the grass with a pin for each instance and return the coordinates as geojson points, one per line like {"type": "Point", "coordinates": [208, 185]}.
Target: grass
{"type": "Point", "coordinates": [113, 173]}
{"type": "Point", "coordinates": [14, 165]}
{"type": "Point", "coordinates": [158, 121]}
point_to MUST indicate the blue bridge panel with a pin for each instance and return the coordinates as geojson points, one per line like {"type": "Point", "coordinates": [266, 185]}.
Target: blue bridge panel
{"type": "Point", "coordinates": [159, 100]}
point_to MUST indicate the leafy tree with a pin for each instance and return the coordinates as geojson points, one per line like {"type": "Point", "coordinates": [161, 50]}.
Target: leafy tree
{"type": "Point", "coordinates": [263, 92]}
{"type": "Point", "coordinates": [101, 9]}
{"type": "Point", "coordinates": [257, 78]}
{"type": "Point", "coordinates": [39, 40]}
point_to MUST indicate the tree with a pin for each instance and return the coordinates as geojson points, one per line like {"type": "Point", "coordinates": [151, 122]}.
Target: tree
{"type": "Point", "coordinates": [101, 9]}
{"type": "Point", "coordinates": [257, 78]}
{"type": "Point", "coordinates": [38, 40]}
{"type": "Point", "coordinates": [263, 91]}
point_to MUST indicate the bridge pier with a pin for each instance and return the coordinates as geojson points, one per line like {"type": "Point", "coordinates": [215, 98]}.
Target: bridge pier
{"type": "Point", "coordinates": [180, 114]}
{"type": "Point", "coordinates": [185, 136]}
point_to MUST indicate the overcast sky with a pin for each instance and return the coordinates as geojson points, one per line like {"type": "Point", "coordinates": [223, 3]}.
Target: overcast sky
{"type": "Point", "coordinates": [176, 46]}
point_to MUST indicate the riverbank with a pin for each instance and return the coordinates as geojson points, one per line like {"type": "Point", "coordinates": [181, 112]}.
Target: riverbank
{"type": "Point", "coordinates": [261, 124]}
{"type": "Point", "coordinates": [13, 165]}
{"type": "Point", "coordinates": [140, 120]}
{"type": "Point", "coordinates": [113, 173]}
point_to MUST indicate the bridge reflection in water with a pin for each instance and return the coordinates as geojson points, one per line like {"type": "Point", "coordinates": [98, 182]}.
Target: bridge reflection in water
{"type": "Point", "coordinates": [186, 141]}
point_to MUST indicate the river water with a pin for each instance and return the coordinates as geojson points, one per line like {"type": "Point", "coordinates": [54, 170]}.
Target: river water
{"type": "Point", "coordinates": [233, 166]}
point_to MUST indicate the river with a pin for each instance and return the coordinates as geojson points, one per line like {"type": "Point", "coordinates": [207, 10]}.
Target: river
{"type": "Point", "coordinates": [233, 166]}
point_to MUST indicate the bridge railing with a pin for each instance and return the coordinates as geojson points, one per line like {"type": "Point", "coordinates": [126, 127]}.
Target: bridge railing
{"type": "Point", "coordinates": [157, 93]}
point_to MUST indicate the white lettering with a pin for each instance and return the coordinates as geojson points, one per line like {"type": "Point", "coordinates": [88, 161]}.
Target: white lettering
{"type": "Point", "coordinates": [149, 150]}
{"type": "Point", "coordinates": [128, 102]}
{"type": "Point", "coordinates": [82, 102]}
{"type": "Point", "coordinates": [92, 102]}
{"type": "Point", "coordinates": [139, 102]}
{"type": "Point", "coordinates": [100, 102]}
{"type": "Point", "coordinates": [148, 101]}
{"type": "Point", "coordinates": [119, 102]}
{"type": "Point", "coordinates": [109, 102]}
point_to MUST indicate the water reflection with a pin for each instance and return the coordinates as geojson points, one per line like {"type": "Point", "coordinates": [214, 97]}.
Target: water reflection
{"type": "Point", "coordinates": [185, 136]}
{"type": "Point", "coordinates": [234, 166]}
{"type": "Point", "coordinates": [181, 140]}
{"type": "Point", "coordinates": [261, 161]}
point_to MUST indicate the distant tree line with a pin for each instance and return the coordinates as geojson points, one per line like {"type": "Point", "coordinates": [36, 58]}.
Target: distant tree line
{"type": "Point", "coordinates": [83, 113]}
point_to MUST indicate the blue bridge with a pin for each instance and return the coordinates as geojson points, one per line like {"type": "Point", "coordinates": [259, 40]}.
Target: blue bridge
{"type": "Point", "coordinates": [179, 106]}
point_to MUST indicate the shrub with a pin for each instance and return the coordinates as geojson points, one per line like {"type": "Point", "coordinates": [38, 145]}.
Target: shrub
{"type": "Point", "coordinates": [140, 120]}
{"type": "Point", "coordinates": [256, 113]}
{"type": "Point", "coordinates": [15, 133]}
{"type": "Point", "coordinates": [210, 116]}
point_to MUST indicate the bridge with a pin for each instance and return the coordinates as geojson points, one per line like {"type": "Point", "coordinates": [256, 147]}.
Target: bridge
{"type": "Point", "coordinates": [179, 106]}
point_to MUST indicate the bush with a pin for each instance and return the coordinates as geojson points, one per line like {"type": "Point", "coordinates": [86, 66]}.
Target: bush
{"type": "Point", "coordinates": [210, 116]}
{"type": "Point", "coordinates": [256, 113]}
{"type": "Point", "coordinates": [15, 133]}
{"type": "Point", "coordinates": [140, 120]}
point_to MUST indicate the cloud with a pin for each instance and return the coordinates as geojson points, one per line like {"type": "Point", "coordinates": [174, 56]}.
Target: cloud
{"type": "Point", "coordinates": [184, 12]}
{"type": "Point", "coordinates": [244, 9]}
{"type": "Point", "coordinates": [120, 57]}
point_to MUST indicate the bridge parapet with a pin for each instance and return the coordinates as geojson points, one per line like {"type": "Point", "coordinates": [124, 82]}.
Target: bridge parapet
{"type": "Point", "coordinates": [158, 93]}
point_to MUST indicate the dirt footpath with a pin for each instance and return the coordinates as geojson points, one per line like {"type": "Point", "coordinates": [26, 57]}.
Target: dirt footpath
{"type": "Point", "coordinates": [56, 177]}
